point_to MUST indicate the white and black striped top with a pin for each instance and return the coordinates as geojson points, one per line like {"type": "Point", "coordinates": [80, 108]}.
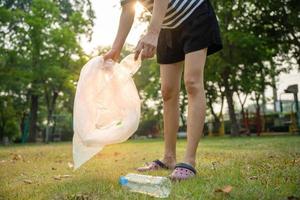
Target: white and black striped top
{"type": "Point", "coordinates": [178, 10]}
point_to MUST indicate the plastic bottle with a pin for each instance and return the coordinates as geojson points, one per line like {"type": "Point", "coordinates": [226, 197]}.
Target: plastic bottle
{"type": "Point", "coordinates": [152, 185]}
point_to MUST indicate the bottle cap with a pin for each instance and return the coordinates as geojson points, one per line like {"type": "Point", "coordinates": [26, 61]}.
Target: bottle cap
{"type": "Point", "coordinates": [123, 180]}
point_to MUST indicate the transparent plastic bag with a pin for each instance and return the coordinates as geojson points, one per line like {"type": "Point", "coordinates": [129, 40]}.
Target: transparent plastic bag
{"type": "Point", "coordinates": [106, 106]}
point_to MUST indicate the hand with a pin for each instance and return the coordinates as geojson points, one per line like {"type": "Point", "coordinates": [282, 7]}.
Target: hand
{"type": "Point", "coordinates": [113, 54]}
{"type": "Point", "coordinates": [146, 46]}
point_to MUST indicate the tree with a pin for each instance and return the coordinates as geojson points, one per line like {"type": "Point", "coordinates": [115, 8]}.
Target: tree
{"type": "Point", "coordinates": [214, 90]}
{"type": "Point", "coordinates": [243, 52]}
{"type": "Point", "coordinates": [278, 21]}
{"type": "Point", "coordinates": [45, 36]}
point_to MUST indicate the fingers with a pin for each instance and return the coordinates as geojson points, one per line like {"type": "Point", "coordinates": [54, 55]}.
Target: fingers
{"type": "Point", "coordinates": [146, 51]}
{"type": "Point", "coordinates": [110, 55]}
{"type": "Point", "coordinates": [146, 46]}
{"type": "Point", "coordinates": [106, 56]}
{"type": "Point", "coordinates": [138, 50]}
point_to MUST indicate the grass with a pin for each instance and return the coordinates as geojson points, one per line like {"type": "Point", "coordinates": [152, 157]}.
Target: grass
{"type": "Point", "coordinates": [265, 167]}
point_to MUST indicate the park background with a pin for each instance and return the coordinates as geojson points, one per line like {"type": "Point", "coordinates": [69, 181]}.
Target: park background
{"type": "Point", "coordinates": [45, 43]}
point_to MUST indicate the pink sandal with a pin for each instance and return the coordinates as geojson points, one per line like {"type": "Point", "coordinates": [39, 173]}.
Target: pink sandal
{"type": "Point", "coordinates": [154, 165]}
{"type": "Point", "coordinates": [183, 171]}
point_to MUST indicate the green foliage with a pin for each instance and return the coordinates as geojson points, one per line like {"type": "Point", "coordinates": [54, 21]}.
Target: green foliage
{"type": "Point", "coordinates": [253, 33]}
{"type": "Point", "coordinates": [279, 22]}
{"type": "Point", "coordinates": [8, 119]}
{"type": "Point", "coordinates": [148, 127]}
{"type": "Point", "coordinates": [252, 36]}
{"type": "Point", "coordinates": [41, 55]}
{"type": "Point", "coordinates": [11, 129]}
{"type": "Point", "coordinates": [147, 81]}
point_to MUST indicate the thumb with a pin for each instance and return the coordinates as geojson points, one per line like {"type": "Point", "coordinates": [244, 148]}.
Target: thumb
{"type": "Point", "coordinates": [104, 57]}
{"type": "Point", "coordinates": [108, 56]}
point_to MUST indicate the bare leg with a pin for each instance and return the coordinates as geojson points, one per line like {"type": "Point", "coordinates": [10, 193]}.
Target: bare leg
{"type": "Point", "coordinates": [193, 79]}
{"type": "Point", "coordinates": [170, 87]}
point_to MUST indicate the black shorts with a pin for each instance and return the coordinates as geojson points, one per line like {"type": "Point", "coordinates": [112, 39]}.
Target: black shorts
{"type": "Point", "coordinates": [200, 30]}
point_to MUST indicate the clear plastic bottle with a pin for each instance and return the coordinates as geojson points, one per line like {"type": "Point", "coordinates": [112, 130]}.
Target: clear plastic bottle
{"type": "Point", "coordinates": [152, 185]}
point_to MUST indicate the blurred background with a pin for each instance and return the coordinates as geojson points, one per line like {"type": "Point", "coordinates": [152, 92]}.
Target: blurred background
{"type": "Point", "coordinates": [251, 85]}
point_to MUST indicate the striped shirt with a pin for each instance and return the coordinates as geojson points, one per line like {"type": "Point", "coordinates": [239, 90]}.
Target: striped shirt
{"type": "Point", "coordinates": [177, 12]}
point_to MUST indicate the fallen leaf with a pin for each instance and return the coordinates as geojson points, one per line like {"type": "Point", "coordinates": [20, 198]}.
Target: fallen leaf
{"type": "Point", "coordinates": [227, 189]}
{"type": "Point", "coordinates": [116, 153]}
{"type": "Point", "coordinates": [27, 181]}
{"type": "Point", "coordinates": [66, 176]}
{"type": "Point", "coordinates": [253, 177]}
{"type": "Point", "coordinates": [57, 177]}
{"type": "Point", "coordinates": [17, 157]}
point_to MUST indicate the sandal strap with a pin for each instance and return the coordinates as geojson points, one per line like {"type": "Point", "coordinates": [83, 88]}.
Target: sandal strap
{"type": "Point", "coordinates": [186, 166]}
{"type": "Point", "coordinates": [162, 165]}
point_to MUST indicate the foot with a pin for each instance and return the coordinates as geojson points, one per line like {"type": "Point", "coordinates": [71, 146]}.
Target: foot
{"type": "Point", "coordinates": [157, 165]}
{"type": "Point", "coordinates": [183, 171]}
{"type": "Point", "coordinates": [169, 161]}
{"type": "Point", "coordinates": [154, 165]}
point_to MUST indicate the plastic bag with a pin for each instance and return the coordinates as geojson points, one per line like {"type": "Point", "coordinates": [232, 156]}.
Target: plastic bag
{"type": "Point", "coordinates": [106, 106]}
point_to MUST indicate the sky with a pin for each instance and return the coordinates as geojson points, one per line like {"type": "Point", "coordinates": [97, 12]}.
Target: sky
{"type": "Point", "coordinates": [106, 25]}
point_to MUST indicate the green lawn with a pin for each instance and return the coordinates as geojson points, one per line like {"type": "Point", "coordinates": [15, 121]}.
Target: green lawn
{"type": "Point", "coordinates": [265, 167]}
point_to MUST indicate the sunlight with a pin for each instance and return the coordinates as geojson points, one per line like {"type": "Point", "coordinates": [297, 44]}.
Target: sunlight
{"type": "Point", "coordinates": [104, 31]}
{"type": "Point", "coordinates": [138, 8]}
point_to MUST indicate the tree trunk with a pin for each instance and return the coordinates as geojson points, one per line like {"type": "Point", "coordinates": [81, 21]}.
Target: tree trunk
{"type": "Point", "coordinates": [22, 124]}
{"type": "Point", "coordinates": [234, 131]}
{"type": "Point", "coordinates": [50, 108]}
{"type": "Point", "coordinates": [217, 121]}
{"type": "Point", "coordinates": [242, 103]}
{"type": "Point", "coordinates": [258, 121]}
{"type": "Point", "coordinates": [2, 124]}
{"type": "Point", "coordinates": [275, 98]}
{"type": "Point", "coordinates": [33, 118]}
{"type": "Point", "coordinates": [257, 116]}
{"type": "Point", "coordinates": [53, 127]}
{"type": "Point", "coordinates": [264, 110]}
{"type": "Point", "coordinates": [273, 84]}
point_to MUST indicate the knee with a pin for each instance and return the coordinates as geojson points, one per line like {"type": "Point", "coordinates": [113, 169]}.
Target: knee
{"type": "Point", "coordinates": [193, 86]}
{"type": "Point", "coordinates": [168, 92]}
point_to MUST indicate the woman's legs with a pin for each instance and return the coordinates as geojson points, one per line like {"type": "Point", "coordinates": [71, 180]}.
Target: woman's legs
{"type": "Point", "coordinates": [170, 75]}
{"type": "Point", "coordinates": [193, 79]}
